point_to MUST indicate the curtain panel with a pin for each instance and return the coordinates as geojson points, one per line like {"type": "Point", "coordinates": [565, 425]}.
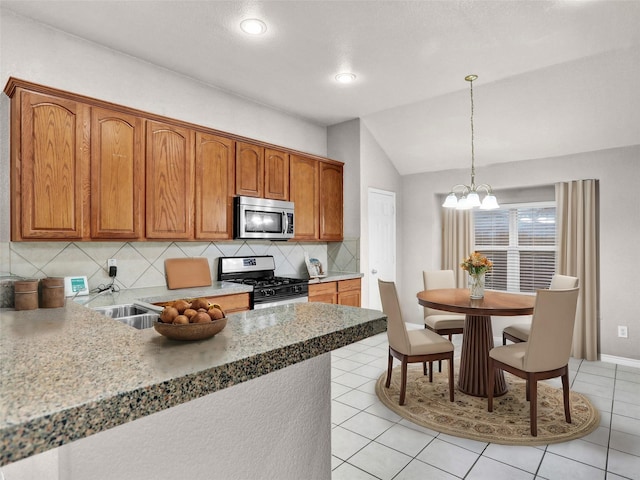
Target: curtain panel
{"type": "Point", "coordinates": [578, 255]}
{"type": "Point", "coordinates": [458, 238]}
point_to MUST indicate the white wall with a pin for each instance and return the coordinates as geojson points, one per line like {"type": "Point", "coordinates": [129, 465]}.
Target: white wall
{"type": "Point", "coordinates": [377, 171]}
{"type": "Point", "coordinates": [343, 142]}
{"type": "Point", "coordinates": [353, 143]}
{"type": "Point", "coordinates": [618, 171]}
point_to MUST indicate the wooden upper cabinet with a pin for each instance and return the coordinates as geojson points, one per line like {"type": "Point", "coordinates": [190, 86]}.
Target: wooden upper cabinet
{"type": "Point", "coordinates": [84, 169]}
{"type": "Point", "coordinates": [304, 192]}
{"type": "Point", "coordinates": [249, 170]}
{"type": "Point", "coordinates": [276, 174]}
{"type": "Point", "coordinates": [169, 181]}
{"type": "Point", "coordinates": [117, 175]}
{"type": "Point", "coordinates": [331, 203]}
{"type": "Point", "coordinates": [215, 159]}
{"type": "Point", "coordinates": [50, 172]}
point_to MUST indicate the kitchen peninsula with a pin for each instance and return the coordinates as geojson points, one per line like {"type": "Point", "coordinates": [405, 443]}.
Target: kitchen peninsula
{"type": "Point", "coordinates": [251, 402]}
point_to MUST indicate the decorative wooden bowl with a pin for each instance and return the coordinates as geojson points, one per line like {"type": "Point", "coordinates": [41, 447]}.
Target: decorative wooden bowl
{"type": "Point", "coordinates": [191, 331]}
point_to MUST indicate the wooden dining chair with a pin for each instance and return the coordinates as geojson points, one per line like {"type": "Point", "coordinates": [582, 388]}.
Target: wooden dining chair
{"type": "Point", "coordinates": [411, 346]}
{"type": "Point", "coordinates": [519, 332]}
{"type": "Point", "coordinates": [441, 322]}
{"type": "Point", "coordinates": [545, 355]}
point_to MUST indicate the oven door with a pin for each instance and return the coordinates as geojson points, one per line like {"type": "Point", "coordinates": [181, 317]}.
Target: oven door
{"type": "Point", "coordinates": [282, 301]}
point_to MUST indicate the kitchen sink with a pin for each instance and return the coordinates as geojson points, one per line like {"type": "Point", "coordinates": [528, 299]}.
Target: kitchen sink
{"type": "Point", "coordinates": [134, 315]}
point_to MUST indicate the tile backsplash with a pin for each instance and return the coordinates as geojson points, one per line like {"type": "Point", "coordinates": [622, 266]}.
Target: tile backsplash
{"type": "Point", "coordinates": [141, 264]}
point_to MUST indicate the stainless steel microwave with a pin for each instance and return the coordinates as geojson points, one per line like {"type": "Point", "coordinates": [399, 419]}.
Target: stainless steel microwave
{"type": "Point", "coordinates": [261, 218]}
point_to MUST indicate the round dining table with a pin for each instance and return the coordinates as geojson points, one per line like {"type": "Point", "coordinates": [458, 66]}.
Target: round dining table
{"type": "Point", "coordinates": [477, 338]}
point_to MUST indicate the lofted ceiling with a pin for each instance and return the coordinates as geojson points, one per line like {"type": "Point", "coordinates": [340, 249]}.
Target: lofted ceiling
{"type": "Point", "coordinates": [555, 77]}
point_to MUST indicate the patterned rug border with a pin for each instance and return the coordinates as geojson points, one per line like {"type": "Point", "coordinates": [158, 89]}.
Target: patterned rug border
{"type": "Point", "coordinates": [476, 423]}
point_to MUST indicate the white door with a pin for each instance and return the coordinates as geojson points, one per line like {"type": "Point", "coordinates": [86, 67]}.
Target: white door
{"type": "Point", "coordinates": [382, 242]}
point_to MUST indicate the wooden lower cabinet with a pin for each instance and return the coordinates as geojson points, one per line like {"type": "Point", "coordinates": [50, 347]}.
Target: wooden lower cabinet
{"type": "Point", "coordinates": [349, 292]}
{"type": "Point", "coordinates": [342, 292]}
{"type": "Point", "coordinates": [238, 302]}
{"type": "Point", "coordinates": [324, 292]}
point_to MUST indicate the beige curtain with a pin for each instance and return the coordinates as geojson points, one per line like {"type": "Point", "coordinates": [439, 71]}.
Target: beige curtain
{"type": "Point", "coordinates": [457, 241]}
{"type": "Point", "coordinates": [578, 256]}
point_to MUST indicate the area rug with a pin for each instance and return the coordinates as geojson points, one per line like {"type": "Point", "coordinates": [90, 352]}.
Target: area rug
{"type": "Point", "coordinates": [427, 404]}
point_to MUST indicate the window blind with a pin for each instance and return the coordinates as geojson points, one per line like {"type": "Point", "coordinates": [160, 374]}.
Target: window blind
{"type": "Point", "coordinates": [520, 240]}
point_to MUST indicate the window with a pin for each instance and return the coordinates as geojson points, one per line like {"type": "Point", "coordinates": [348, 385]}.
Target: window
{"type": "Point", "coordinates": [520, 240]}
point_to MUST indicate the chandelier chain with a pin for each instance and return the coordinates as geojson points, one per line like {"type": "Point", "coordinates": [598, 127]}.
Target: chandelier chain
{"type": "Point", "coordinates": [473, 167]}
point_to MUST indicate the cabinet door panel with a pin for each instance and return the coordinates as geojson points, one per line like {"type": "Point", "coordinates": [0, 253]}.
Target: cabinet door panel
{"type": "Point", "coordinates": [117, 175]}
{"type": "Point", "coordinates": [54, 167]}
{"type": "Point", "coordinates": [351, 284]}
{"type": "Point", "coordinates": [304, 193]}
{"type": "Point", "coordinates": [249, 170]}
{"type": "Point", "coordinates": [326, 292]}
{"type": "Point", "coordinates": [238, 302]}
{"type": "Point", "coordinates": [331, 202]}
{"type": "Point", "coordinates": [351, 298]}
{"type": "Point", "coordinates": [349, 292]}
{"type": "Point", "coordinates": [214, 186]}
{"type": "Point", "coordinates": [170, 190]}
{"type": "Point", "coordinates": [276, 175]}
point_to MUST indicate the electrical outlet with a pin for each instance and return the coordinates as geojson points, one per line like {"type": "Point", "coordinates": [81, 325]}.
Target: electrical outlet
{"type": "Point", "coordinates": [112, 267]}
{"type": "Point", "coordinates": [623, 332]}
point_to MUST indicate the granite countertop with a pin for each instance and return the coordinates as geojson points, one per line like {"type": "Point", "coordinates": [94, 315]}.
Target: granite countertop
{"type": "Point", "coordinates": [336, 276]}
{"type": "Point", "coordinates": [69, 372]}
{"type": "Point", "coordinates": [160, 294]}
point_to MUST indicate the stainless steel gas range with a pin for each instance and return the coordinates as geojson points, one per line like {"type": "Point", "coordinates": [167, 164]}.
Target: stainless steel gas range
{"type": "Point", "coordinates": [268, 289]}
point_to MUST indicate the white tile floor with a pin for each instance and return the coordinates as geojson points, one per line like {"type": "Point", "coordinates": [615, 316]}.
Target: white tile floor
{"type": "Point", "coordinates": [371, 442]}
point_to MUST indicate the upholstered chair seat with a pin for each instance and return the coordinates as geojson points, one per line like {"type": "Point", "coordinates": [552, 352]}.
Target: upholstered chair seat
{"type": "Point", "coordinates": [444, 322]}
{"type": "Point", "coordinates": [441, 322]}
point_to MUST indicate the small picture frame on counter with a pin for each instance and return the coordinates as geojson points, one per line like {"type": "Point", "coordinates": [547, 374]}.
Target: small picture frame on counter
{"type": "Point", "coordinates": [314, 267]}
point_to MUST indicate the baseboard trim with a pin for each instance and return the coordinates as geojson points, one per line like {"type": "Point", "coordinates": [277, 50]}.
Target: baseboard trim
{"type": "Point", "coordinates": [627, 362]}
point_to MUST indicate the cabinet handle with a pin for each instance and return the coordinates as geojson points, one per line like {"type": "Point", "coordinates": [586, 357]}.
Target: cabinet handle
{"type": "Point", "coordinates": [374, 271]}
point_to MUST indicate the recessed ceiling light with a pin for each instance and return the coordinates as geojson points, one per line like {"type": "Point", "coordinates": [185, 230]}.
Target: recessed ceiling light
{"type": "Point", "coordinates": [345, 77]}
{"type": "Point", "coordinates": [253, 26]}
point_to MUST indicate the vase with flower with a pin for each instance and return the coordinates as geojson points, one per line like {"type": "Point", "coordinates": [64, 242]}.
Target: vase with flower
{"type": "Point", "coordinates": [476, 265]}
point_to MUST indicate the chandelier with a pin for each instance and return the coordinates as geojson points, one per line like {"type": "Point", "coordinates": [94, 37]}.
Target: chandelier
{"type": "Point", "coordinates": [469, 197]}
